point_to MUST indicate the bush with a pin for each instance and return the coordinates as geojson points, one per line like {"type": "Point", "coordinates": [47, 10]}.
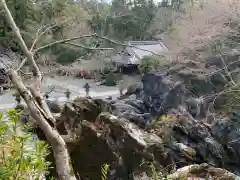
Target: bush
{"type": "Point", "coordinates": [67, 56]}
{"type": "Point", "coordinates": [21, 156]}
{"type": "Point", "coordinates": [111, 79]}
{"type": "Point", "coordinates": [151, 63]}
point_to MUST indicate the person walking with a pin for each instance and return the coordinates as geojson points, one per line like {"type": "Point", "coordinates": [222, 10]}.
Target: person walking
{"type": "Point", "coordinates": [121, 87]}
{"type": "Point", "coordinates": [1, 90]}
{"type": "Point", "coordinates": [67, 94]}
{"type": "Point", "coordinates": [87, 89]}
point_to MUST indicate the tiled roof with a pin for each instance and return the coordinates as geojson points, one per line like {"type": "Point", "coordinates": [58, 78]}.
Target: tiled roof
{"type": "Point", "coordinates": [138, 51]}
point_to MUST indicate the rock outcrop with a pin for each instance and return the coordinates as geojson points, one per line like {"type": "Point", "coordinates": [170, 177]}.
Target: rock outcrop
{"type": "Point", "coordinates": [170, 122]}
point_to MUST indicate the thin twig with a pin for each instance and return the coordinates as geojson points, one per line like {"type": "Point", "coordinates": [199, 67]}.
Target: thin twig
{"type": "Point", "coordinates": [126, 45]}
{"type": "Point", "coordinates": [96, 36]}
{"type": "Point", "coordinates": [22, 64]}
{"type": "Point", "coordinates": [221, 69]}
{"type": "Point", "coordinates": [39, 35]}
{"type": "Point", "coordinates": [34, 43]}
{"type": "Point", "coordinates": [47, 93]}
{"type": "Point", "coordinates": [90, 48]}
{"type": "Point", "coordinates": [229, 90]}
{"type": "Point", "coordinates": [227, 72]}
{"type": "Point", "coordinates": [36, 38]}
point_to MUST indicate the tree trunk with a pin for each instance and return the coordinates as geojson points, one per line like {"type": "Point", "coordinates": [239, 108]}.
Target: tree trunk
{"type": "Point", "coordinates": [57, 143]}
{"type": "Point", "coordinates": [38, 107]}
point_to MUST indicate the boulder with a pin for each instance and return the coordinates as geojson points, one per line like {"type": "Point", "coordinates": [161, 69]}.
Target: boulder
{"type": "Point", "coordinates": [135, 88]}
{"type": "Point", "coordinates": [54, 106]}
{"type": "Point", "coordinates": [119, 143]}
{"type": "Point", "coordinates": [202, 171]}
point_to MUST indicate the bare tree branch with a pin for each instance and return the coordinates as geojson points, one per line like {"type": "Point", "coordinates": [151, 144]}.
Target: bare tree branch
{"type": "Point", "coordinates": [226, 70]}
{"type": "Point", "coordinates": [96, 36]}
{"type": "Point", "coordinates": [47, 93]}
{"type": "Point", "coordinates": [42, 103]}
{"type": "Point", "coordinates": [62, 41]}
{"type": "Point", "coordinates": [125, 45]}
{"type": "Point", "coordinates": [35, 41]}
{"type": "Point", "coordinates": [22, 64]}
{"type": "Point", "coordinates": [36, 38]}
{"type": "Point", "coordinates": [90, 48]}
{"type": "Point", "coordinates": [39, 35]}
{"type": "Point", "coordinates": [57, 143]}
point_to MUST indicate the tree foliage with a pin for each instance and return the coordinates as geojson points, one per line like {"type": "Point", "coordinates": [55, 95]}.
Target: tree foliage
{"type": "Point", "coordinates": [25, 13]}
{"type": "Point", "coordinates": [21, 156]}
{"type": "Point", "coordinates": [124, 19]}
{"type": "Point", "coordinates": [62, 18]}
{"type": "Point", "coordinates": [152, 63]}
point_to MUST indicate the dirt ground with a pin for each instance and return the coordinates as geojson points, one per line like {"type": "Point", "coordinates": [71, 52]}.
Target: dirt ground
{"type": "Point", "coordinates": [74, 68]}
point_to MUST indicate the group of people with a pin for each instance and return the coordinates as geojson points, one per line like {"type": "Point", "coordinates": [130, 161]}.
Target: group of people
{"type": "Point", "coordinates": [87, 89]}
{"type": "Point", "coordinates": [135, 88]}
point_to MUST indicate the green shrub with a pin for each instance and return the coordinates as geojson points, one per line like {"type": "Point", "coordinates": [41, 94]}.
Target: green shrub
{"type": "Point", "coordinates": [21, 157]}
{"type": "Point", "coordinates": [111, 79]}
{"type": "Point", "coordinates": [151, 63]}
{"type": "Point", "coordinates": [67, 54]}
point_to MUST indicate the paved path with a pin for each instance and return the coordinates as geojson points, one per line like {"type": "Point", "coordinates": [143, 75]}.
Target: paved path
{"type": "Point", "coordinates": [61, 84]}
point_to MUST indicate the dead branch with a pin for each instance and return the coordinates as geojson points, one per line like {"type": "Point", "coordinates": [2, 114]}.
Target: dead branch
{"type": "Point", "coordinates": [96, 36]}
{"type": "Point", "coordinates": [62, 41]}
{"type": "Point", "coordinates": [41, 34]}
{"type": "Point", "coordinates": [57, 143]}
{"type": "Point", "coordinates": [47, 93]}
{"type": "Point", "coordinates": [66, 41]}
{"type": "Point", "coordinates": [42, 103]}
{"type": "Point", "coordinates": [126, 45]}
{"type": "Point", "coordinates": [35, 42]}
{"type": "Point", "coordinates": [90, 48]}
{"type": "Point", "coordinates": [36, 38]}
{"type": "Point", "coordinates": [226, 70]}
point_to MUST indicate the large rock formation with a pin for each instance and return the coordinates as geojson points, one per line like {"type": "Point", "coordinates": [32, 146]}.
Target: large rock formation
{"type": "Point", "coordinates": [170, 123]}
